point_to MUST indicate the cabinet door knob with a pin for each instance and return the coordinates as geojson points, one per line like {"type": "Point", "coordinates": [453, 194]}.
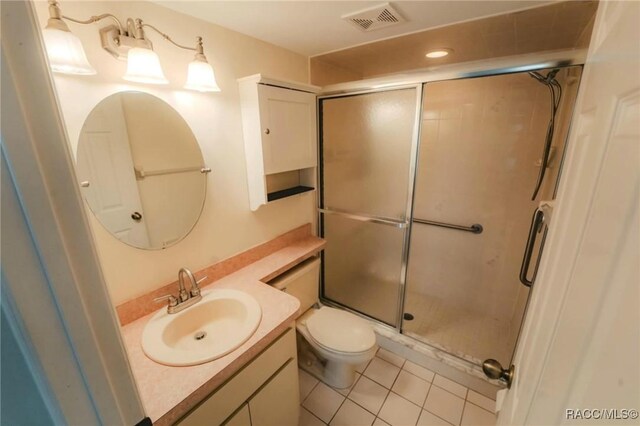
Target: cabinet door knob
{"type": "Point", "coordinates": [136, 216]}
{"type": "Point", "coordinates": [267, 131]}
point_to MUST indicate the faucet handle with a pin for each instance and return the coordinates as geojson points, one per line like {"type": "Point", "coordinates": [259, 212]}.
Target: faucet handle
{"type": "Point", "coordinates": [170, 297]}
{"type": "Point", "coordinates": [195, 290]}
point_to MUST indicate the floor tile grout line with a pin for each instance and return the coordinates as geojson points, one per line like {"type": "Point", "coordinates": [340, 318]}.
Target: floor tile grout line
{"type": "Point", "coordinates": [310, 392]}
{"type": "Point", "coordinates": [395, 379]}
{"type": "Point", "coordinates": [353, 385]}
{"type": "Point", "coordinates": [396, 393]}
{"type": "Point", "coordinates": [434, 414]}
{"type": "Point", "coordinates": [427, 397]}
{"type": "Point", "coordinates": [430, 381]}
{"type": "Point", "coordinates": [482, 408]}
{"type": "Point", "coordinates": [367, 410]}
{"type": "Point", "coordinates": [345, 397]}
{"type": "Point", "coordinates": [334, 414]}
{"type": "Point", "coordinates": [451, 380]}
{"type": "Point", "coordinates": [464, 407]}
{"type": "Point", "coordinates": [309, 411]}
{"type": "Point", "coordinates": [381, 384]}
{"type": "Point", "coordinates": [404, 360]}
{"type": "Point", "coordinates": [385, 398]}
{"type": "Point", "coordinates": [447, 391]}
{"type": "Point", "coordinates": [484, 396]}
{"type": "Point", "coordinates": [425, 401]}
{"type": "Point", "coordinates": [385, 361]}
{"type": "Point", "coordinates": [382, 405]}
{"type": "Point", "coordinates": [410, 402]}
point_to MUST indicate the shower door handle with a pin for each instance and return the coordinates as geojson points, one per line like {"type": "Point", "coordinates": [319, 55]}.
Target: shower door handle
{"type": "Point", "coordinates": [537, 227]}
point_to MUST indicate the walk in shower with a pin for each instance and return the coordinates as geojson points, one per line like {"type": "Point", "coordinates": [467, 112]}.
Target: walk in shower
{"type": "Point", "coordinates": [426, 202]}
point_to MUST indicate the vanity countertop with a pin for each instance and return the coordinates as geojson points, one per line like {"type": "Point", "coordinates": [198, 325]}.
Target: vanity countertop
{"type": "Point", "coordinates": [168, 393]}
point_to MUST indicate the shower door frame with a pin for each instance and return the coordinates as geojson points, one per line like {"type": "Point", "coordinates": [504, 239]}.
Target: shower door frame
{"type": "Point", "coordinates": [523, 63]}
{"type": "Point", "coordinates": [408, 213]}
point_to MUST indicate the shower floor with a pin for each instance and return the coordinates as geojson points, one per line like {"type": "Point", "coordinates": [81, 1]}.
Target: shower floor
{"type": "Point", "coordinates": [461, 332]}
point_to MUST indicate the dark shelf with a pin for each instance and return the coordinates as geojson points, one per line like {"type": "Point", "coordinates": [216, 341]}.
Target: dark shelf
{"type": "Point", "coordinates": [272, 196]}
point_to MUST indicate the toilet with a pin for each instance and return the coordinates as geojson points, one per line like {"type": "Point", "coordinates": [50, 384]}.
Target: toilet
{"type": "Point", "coordinates": [332, 343]}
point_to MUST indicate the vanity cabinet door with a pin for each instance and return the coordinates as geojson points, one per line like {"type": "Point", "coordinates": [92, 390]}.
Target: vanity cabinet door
{"type": "Point", "coordinates": [239, 418]}
{"type": "Point", "coordinates": [277, 403]}
{"type": "Point", "coordinates": [288, 121]}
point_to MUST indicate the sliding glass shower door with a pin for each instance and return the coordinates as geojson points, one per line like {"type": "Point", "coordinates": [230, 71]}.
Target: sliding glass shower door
{"type": "Point", "coordinates": [368, 154]}
{"type": "Point", "coordinates": [484, 146]}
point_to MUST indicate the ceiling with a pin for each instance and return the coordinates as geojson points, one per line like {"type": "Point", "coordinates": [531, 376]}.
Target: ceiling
{"type": "Point", "coordinates": [315, 27]}
{"type": "Point", "coordinates": [557, 26]}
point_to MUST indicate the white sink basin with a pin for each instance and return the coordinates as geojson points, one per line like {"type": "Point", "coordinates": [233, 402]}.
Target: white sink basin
{"type": "Point", "coordinates": [219, 323]}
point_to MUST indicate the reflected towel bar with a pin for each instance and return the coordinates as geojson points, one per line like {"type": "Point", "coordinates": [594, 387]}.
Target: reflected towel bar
{"type": "Point", "coordinates": [141, 174]}
{"type": "Point", "coordinates": [476, 228]}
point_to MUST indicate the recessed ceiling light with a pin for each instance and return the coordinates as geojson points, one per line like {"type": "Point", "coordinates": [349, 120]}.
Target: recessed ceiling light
{"type": "Point", "coordinates": [438, 53]}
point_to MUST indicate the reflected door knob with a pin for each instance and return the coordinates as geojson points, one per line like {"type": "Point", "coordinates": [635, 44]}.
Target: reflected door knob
{"type": "Point", "coordinates": [136, 216]}
{"type": "Point", "coordinates": [493, 370]}
{"type": "Point", "coordinates": [267, 131]}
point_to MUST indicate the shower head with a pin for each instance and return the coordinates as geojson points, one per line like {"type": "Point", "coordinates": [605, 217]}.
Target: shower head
{"type": "Point", "coordinates": [549, 79]}
{"type": "Point", "coordinates": [552, 74]}
{"type": "Point", "coordinates": [537, 76]}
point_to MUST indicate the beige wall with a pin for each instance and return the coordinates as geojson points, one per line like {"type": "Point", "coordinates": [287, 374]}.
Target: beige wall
{"type": "Point", "coordinates": [227, 226]}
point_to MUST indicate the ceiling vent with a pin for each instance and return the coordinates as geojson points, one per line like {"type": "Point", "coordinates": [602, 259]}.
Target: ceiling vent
{"type": "Point", "coordinates": [374, 18]}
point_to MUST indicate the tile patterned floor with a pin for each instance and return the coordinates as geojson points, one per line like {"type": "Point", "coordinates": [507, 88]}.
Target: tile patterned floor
{"type": "Point", "coordinates": [390, 391]}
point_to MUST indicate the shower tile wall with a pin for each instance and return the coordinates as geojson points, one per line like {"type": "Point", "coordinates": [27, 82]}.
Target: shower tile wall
{"type": "Point", "coordinates": [480, 142]}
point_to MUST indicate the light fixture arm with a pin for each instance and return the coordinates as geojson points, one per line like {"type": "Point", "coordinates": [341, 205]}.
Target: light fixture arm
{"type": "Point", "coordinates": [56, 13]}
{"type": "Point", "coordinates": [96, 18]}
{"type": "Point", "coordinates": [199, 49]}
{"type": "Point", "coordinates": [170, 40]}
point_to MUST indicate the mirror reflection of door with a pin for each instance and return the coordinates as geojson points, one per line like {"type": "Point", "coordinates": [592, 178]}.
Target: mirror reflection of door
{"type": "Point", "coordinates": [141, 170]}
{"type": "Point", "coordinates": [104, 160]}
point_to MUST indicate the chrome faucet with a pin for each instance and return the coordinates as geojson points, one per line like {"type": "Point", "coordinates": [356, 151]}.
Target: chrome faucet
{"type": "Point", "coordinates": [185, 298]}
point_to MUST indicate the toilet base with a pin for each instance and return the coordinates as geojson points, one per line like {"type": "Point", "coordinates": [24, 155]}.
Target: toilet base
{"type": "Point", "coordinates": [339, 375]}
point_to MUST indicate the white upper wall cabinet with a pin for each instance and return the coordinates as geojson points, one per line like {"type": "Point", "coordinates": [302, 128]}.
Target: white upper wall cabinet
{"type": "Point", "coordinates": [280, 138]}
{"type": "Point", "coordinates": [288, 121]}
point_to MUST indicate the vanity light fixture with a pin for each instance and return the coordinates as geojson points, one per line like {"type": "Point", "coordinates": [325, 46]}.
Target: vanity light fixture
{"type": "Point", "coordinates": [129, 43]}
{"type": "Point", "coordinates": [64, 48]}
{"type": "Point", "coordinates": [438, 53]}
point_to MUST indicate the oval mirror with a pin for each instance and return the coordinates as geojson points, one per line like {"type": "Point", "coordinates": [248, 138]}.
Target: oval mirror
{"type": "Point", "coordinates": [141, 170]}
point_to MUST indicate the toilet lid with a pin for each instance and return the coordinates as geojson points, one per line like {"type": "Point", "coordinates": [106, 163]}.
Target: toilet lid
{"type": "Point", "coordinates": [340, 330]}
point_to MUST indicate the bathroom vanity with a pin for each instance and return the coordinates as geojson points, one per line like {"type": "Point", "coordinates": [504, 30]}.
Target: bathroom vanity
{"type": "Point", "coordinates": [242, 386]}
{"type": "Point", "coordinates": [269, 380]}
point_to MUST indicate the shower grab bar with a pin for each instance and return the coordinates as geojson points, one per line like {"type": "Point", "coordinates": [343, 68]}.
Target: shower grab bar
{"type": "Point", "coordinates": [364, 218]}
{"type": "Point", "coordinates": [476, 228]}
{"type": "Point", "coordinates": [537, 226]}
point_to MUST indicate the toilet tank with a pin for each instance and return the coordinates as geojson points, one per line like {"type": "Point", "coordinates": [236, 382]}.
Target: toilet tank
{"type": "Point", "coordinates": [301, 282]}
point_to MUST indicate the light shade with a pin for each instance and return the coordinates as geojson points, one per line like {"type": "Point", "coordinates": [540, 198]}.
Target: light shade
{"type": "Point", "coordinates": [200, 77]}
{"type": "Point", "coordinates": [143, 66]}
{"type": "Point", "coordinates": [65, 52]}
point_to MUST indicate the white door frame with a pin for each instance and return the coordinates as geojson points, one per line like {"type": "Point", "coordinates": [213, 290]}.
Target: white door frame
{"type": "Point", "coordinates": [66, 296]}
{"type": "Point", "coordinates": [577, 292]}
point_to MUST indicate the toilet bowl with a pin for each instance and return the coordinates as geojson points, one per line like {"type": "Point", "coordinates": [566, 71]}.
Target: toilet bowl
{"type": "Point", "coordinates": [332, 343]}
{"type": "Point", "coordinates": [341, 339]}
